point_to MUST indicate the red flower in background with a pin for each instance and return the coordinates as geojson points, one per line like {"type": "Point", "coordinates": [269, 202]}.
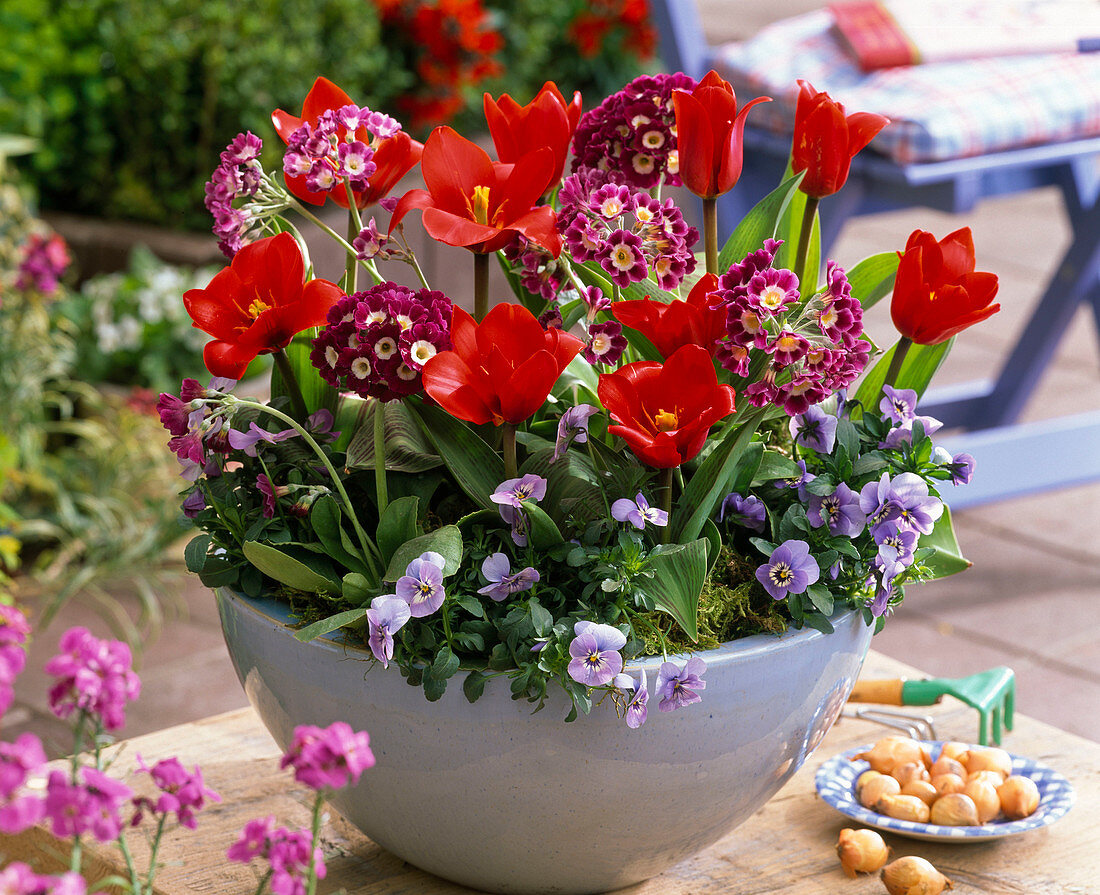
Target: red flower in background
{"type": "Point", "coordinates": [500, 370]}
{"type": "Point", "coordinates": [826, 141]}
{"type": "Point", "coordinates": [258, 304]}
{"type": "Point", "coordinates": [395, 156]}
{"type": "Point", "coordinates": [678, 323]}
{"type": "Point", "coordinates": [709, 130]}
{"type": "Point", "coordinates": [545, 121]}
{"type": "Point", "coordinates": [937, 292]}
{"type": "Point", "coordinates": [474, 202]}
{"type": "Point", "coordinates": [665, 411]}
{"type": "Point", "coordinates": [590, 29]}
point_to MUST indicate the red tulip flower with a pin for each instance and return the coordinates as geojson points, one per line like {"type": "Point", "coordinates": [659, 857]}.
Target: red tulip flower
{"type": "Point", "coordinates": [257, 304]}
{"type": "Point", "coordinates": [937, 292]}
{"type": "Point", "coordinates": [474, 202]}
{"type": "Point", "coordinates": [665, 411]}
{"type": "Point", "coordinates": [394, 156]}
{"type": "Point", "coordinates": [500, 370]}
{"type": "Point", "coordinates": [545, 121]}
{"type": "Point", "coordinates": [678, 323]}
{"type": "Point", "coordinates": [709, 132]}
{"type": "Point", "coordinates": [826, 141]}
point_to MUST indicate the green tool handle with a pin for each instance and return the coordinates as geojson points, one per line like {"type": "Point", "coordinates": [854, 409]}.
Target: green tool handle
{"type": "Point", "coordinates": [897, 692]}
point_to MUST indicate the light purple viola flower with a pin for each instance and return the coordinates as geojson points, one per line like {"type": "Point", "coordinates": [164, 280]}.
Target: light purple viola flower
{"type": "Point", "coordinates": [636, 710]}
{"type": "Point", "coordinates": [884, 592]}
{"type": "Point", "coordinates": [799, 481]}
{"type": "Point", "coordinates": [899, 404]}
{"type": "Point", "coordinates": [595, 652]}
{"type": "Point", "coordinates": [745, 511]}
{"type": "Point", "coordinates": [789, 570]}
{"type": "Point", "coordinates": [814, 429]}
{"type": "Point", "coordinates": [677, 686]}
{"type": "Point", "coordinates": [573, 427]}
{"type": "Point", "coordinates": [904, 542]}
{"type": "Point", "coordinates": [961, 468]}
{"type": "Point", "coordinates": [194, 503]}
{"type": "Point", "coordinates": [497, 570]}
{"type": "Point", "coordinates": [917, 509]}
{"type": "Point", "coordinates": [638, 512]}
{"type": "Point", "coordinates": [517, 519]}
{"type": "Point", "coordinates": [879, 505]}
{"type": "Point", "coordinates": [422, 584]}
{"type": "Point", "coordinates": [903, 433]}
{"type": "Point", "coordinates": [512, 492]}
{"type": "Point", "coordinates": [387, 615]}
{"type": "Point", "coordinates": [246, 441]}
{"type": "Point", "coordinates": [840, 511]}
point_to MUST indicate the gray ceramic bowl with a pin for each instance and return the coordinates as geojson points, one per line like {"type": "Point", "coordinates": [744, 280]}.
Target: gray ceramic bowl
{"type": "Point", "coordinates": [496, 798]}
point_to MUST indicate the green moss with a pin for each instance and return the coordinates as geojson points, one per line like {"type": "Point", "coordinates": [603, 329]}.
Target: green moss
{"type": "Point", "coordinates": [732, 605]}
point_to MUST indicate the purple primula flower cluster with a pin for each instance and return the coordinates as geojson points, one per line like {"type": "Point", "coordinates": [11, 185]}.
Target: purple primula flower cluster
{"type": "Point", "coordinates": [377, 341]}
{"type": "Point", "coordinates": [182, 792]}
{"type": "Point", "coordinates": [540, 273]}
{"type": "Point", "coordinates": [19, 879]}
{"type": "Point", "coordinates": [626, 230]}
{"type": "Point", "coordinates": [633, 132]}
{"type": "Point", "coordinates": [509, 497]}
{"type": "Point", "coordinates": [240, 177]}
{"type": "Point", "coordinates": [813, 346]}
{"type": "Point", "coordinates": [497, 570]}
{"type": "Point", "coordinates": [328, 757]}
{"type": "Point", "coordinates": [43, 261]}
{"type": "Point", "coordinates": [288, 852]}
{"type": "Point", "coordinates": [14, 630]}
{"type": "Point", "coordinates": [638, 512]}
{"type": "Point", "coordinates": [93, 676]}
{"type": "Point", "coordinates": [336, 150]}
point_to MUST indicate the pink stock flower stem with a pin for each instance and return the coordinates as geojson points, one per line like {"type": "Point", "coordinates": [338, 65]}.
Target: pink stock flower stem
{"type": "Point", "coordinates": [315, 829]}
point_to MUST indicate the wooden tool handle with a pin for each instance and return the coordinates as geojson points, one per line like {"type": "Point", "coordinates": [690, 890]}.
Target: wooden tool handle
{"type": "Point", "coordinates": [881, 692]}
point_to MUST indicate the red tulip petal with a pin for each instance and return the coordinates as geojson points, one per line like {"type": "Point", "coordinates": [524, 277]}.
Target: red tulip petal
{"type": "Point", "coordinates": [619, 396]}
{"type": "Point", "coordinates": [687, 380]}
{"type": "Point", "coordinates": [644, 315]}
{"type": "Point", "coordinates": [695, 139]}
{"type": "Point", "coordinates": [322, 96]}
{"type": "Point", "coordinates": [527, 181]}
{"type": "Point", "coordinates": [220, 308]}
{"type": "Point", "coordinates": [285, 124]}
{"type": "Point", "coordinates": [732, 153]}
{"type": "Point", "coordinates": [526, 390]}
{"type": "Point", "coordinates": [452, 167]}
{"type": "Point", "coordinates": [450, 381]}
{"type": "Point", "coordinates": [272, 268]}
{"type": "Point", "coordinates": [658, 451]}
{"type": "Point", "coordinates": [512, 330]}
{"type": "Point", "coordinates": [563, 346]}
{"type": "Point", "coordinates": [539, 226]}
{"type": "Point", "coordinates": [862, 128]}
{"type": "Point", "coordinates": [228, 359]}
{"type": "Point", "coordinates": [958, 254]}
{"type": "Point", "coordinates": [297, 187]}
{"type": "Point", "coordinates": [464, 335]}
{"type": "Point", "coordinates": [394, 158]}
{"type": "Point", "coordinates": [412, 199]}
{"type": "Point", "coordinates": [500, 128]}
{"type": "Point", "coordinates": [453, 230]}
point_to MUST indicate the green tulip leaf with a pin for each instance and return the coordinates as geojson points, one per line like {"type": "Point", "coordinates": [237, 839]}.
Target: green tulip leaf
{"type": "Point", "coordinates": [542, 532]}
{"type": "Point", "coordinates": [317, 393]}
{"type": "Point", "coordinates": [328, 625]}
{"type": "Point", "coordinates": [397, 526]}
{"type": "Point", "coordinates": [287, 570]}
{"type": "Point", "coordinates": [679, 571]}
{"type": "Point", "coordinates": [917, 370]}
{"type": "Point", "coordinates": [407, 450]}
{"type": "Point", "coordinates": [446, 541]}
{"type": "Point", "coordinates": [759, 224]}
{"type": "Point", "coordinates": [475, 466]}
{"type": "Point", "coordinates": [947, 558]}
{"type": "Point", "coordinates": [873, 278]}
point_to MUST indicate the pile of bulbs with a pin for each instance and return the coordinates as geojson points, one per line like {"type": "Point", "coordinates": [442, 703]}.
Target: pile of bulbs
{"type": "Point", "coordinates": [966, 786]}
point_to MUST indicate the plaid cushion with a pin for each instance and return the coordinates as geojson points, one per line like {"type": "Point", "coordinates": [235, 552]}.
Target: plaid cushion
{"type": "Point", "coordinates": [938, 111]}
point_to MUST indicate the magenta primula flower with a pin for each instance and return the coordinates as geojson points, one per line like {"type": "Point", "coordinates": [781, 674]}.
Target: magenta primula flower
{"type": "Point", "coordinates": [677, 686]}
{"type": "Point", "coordinates": [771, 291]}
{"type": "Point", "coordinates": [328, 757]}
{"type": "Point", "coordinates": [387, 615]}
{"type": "Point", "coordinates": [595, 652]}
{"type": "Point", "coordinates": [422, 584]}
{"type": "Point", "coordinates": [789, 570]}
{"type": "Point", "coordinates": [606, 343]}
{"type": "Point", "coordinates": [94, 676]}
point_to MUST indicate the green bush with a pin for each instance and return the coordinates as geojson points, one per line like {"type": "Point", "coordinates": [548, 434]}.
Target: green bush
{"type": "Point", "coordinates": [133, 100]}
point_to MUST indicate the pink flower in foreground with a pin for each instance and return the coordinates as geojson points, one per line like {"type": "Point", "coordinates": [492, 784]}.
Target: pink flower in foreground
{"type": "Point", "coordinates": [329, 757]}
{"type": "Point", "coordinates": [182, 792]}
{"type": "Point", "coordinates": [94, 676]}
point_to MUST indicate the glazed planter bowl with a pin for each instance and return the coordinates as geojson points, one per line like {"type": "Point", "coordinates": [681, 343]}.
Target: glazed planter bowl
{"type": "Point", "coordinates": [494, 797]}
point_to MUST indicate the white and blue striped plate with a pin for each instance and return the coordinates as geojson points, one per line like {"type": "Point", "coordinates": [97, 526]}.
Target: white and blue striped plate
{"type": "Point", "coordinates": [836, 784]}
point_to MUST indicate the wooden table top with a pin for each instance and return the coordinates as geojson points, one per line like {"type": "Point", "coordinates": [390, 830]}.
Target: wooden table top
{"type": "Point", "coordinates": [787, 846]}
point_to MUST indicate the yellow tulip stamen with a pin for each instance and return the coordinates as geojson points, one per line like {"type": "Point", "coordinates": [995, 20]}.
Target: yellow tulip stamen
{"type": "Point", "coordinates": [480, 204]}
{"type": "Point", "coordinates": [666, 420]}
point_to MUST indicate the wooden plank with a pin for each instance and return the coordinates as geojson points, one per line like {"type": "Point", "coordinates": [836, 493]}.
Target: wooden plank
{"type": "Point", "coordinates": [787, 846]}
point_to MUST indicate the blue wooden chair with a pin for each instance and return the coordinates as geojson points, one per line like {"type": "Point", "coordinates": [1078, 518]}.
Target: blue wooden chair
{"type": "Point", "coordinates": [1014, 459]}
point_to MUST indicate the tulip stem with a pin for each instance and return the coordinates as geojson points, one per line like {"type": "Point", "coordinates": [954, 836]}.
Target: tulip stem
{"type": "Point", "coordinates": [380, 456]}
{"type": "Point", "coordinates": [710, 233]}
{"type": "Point", "coordinates": [804, 276]}
{"type": "Point", "coordinates": [290, 383]}
{"type": "Point", "coordinates": [481, 285]}
{"type": "Point", "coordinates": [511, 466]}
{"type": "Point", "coordinates": [900, 350]}
{"type": "Point", "coordinates": [666, 500]}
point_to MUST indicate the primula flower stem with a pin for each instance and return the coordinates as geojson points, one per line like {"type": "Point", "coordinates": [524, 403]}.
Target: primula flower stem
{"type": "Point", "coordinates": [481, 285]}
{"type": "Point", "coordinates": [666, 500]}
{"type": "Point", "coordinates": [315, 829]}
{"type": "Point", "coordinates": [351, 266]}
{"type": "Point", "coordinates": [511, 466]}
{"type": "Point", "coordinates": [900, 350]}
{"type": "Point", "coordinates": [710, 233]}
{"type": "Point", "coordinates": [380, 456]}
{"type": "Point", "coordinates": [290, 383]}
{"type": "Point", "coordinates": [370, 552]}
{"type": "Point", "coordinates": [807, 280]}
